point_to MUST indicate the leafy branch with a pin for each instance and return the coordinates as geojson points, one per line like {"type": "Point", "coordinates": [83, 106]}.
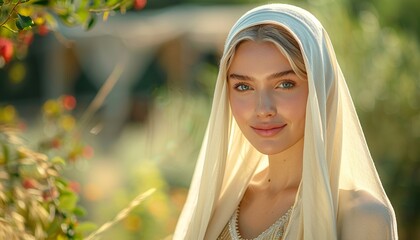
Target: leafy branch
{"type": "Point", "coordinates": [9, 16]}
{"type": "Point", "coordinates": [21, 19]}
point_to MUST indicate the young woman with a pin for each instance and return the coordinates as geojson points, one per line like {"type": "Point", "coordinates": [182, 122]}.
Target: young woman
{"type": "Point", "coordinates": [284, 156]}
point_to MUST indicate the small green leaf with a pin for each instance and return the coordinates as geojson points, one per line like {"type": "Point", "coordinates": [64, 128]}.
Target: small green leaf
{"type": "Point", "coordinates": [79, 211]}
{"type": "Point", "coordinates": [68, 19]}
{"type": "Point", "coordinates": [58, 161]}
{"type": "Point", "coordinates": [6, 155]}
{"type": "Point", "coordinates": [91, 22]}
{"type": "Point", "coordinates": [54, 227]}
{"type": "Point", "coordinates": [1, 2]}
{"type": "Point", "coordinates": [86, 227]}
{"type": "Point", "coordinates": [24, 22]}
{"type": "Point", "coordinates": [111, 3]}
{"type": "Point", "coordinates": [32, 170]}
{"type": "Point", "coordinates": [81, 15]}
{"type": "Point", "coordinates": [62, 186]}
{"type": "Point", "coordinates": [68, 202]}
{"type": "Point", "coordinates": [41, 2]}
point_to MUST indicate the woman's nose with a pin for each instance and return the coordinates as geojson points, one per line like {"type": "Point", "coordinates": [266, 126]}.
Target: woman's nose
{"type": "Point", "coordinates": [266, 106]}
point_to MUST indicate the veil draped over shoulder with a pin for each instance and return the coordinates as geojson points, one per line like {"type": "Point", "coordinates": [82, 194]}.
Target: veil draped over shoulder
{"type": "Point", "coordinates": [338, 171]}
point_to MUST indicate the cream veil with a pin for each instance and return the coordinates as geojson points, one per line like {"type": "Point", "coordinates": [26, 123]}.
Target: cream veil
{"type": "Point", "coordinates": [336, 157]}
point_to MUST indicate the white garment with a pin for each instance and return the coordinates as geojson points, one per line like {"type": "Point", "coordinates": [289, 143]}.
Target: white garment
{"type": "Point", "coordinates": [340, 195]}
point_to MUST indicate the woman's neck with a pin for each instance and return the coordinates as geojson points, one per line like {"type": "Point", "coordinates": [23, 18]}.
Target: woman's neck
{"type": "Point", "coordinates": [285, 169]}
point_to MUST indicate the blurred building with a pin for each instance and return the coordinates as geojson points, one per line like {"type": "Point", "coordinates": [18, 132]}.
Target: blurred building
{"type": "Point", "coordinates": [165, 47]}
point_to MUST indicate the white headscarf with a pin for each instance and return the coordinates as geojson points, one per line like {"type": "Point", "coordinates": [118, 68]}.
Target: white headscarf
{"type": "Point", "coordinates": [338, 172]}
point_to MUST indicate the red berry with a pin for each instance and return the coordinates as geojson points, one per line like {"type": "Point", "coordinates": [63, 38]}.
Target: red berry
{"type": "Point", "coordinates": [29, 183]}
{"type": "Point", "coordinates": [56, 143]}
{"type": "Point", "coordinates": [22, 126]}
{"type": "Point", "coordinates": [28, 37]}
{"type": "Point", "coordinates": [139, 4]}
{"type": "Point", "coordinates": [88, 152]}
{"type": "Point", "coordinates": [74, 186]}
{"type": "Point", "coordinates": [69, 102]}
{"type": "Point", "coordinates": [6, 49]}
{"type": "Point", "coordinates": [43, 30]}
{"type": "Point", "coordinates": [50, 194]}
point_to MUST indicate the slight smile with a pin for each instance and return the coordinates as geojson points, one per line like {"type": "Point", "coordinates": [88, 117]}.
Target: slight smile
{"type": "Point", "coordinates": [268, 130]}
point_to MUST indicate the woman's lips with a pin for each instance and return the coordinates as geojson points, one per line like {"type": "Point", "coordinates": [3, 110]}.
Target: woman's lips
{"type": "Point", "coordinates": [269, 130]}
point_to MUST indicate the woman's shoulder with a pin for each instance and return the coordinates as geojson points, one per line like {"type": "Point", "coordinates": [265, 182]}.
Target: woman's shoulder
{"type": "Point", "coordinates": [362, 216]}
{"type": "Point", "coordinates": [354, 203]}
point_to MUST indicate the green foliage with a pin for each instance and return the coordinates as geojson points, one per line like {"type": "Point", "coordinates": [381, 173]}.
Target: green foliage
{"type": "Point", "coordinates": [25, 17]}
{"type": "Point", "coordinates": [36, 201]}
{"type": "Point", "coordinates": [24, 22]}
{"type": "Point", "coordinates": [397, 14]}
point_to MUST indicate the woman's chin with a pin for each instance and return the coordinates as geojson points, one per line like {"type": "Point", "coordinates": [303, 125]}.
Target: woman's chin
{"type": "Point", "coordinates": [269, 150]}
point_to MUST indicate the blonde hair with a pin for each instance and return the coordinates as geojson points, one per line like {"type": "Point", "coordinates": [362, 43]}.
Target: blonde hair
{"type": "Point", "coordinates": [279, 36]}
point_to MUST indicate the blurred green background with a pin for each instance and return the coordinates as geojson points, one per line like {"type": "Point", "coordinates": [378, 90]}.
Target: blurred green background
{"type": "Point", "coordinates": [149, 130]}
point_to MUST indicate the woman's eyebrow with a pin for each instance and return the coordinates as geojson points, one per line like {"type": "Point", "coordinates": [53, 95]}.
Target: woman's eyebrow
{"type": "Point", "coordinates": [281, 74]}
{"type": "Point", "coordinates": [240, 77]}
{"type": "Point", "coordinates": [272, 76]}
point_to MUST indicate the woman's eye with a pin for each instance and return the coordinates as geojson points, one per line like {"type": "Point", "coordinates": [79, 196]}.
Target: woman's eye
{"type": "Point", "coordinates": [286, 85]}
{"type": "Point", "coordinates": [242, 87]}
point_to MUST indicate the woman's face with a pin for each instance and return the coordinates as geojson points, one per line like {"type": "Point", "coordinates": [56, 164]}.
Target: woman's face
{"type": "Point", "coordinates": [267, 98]}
